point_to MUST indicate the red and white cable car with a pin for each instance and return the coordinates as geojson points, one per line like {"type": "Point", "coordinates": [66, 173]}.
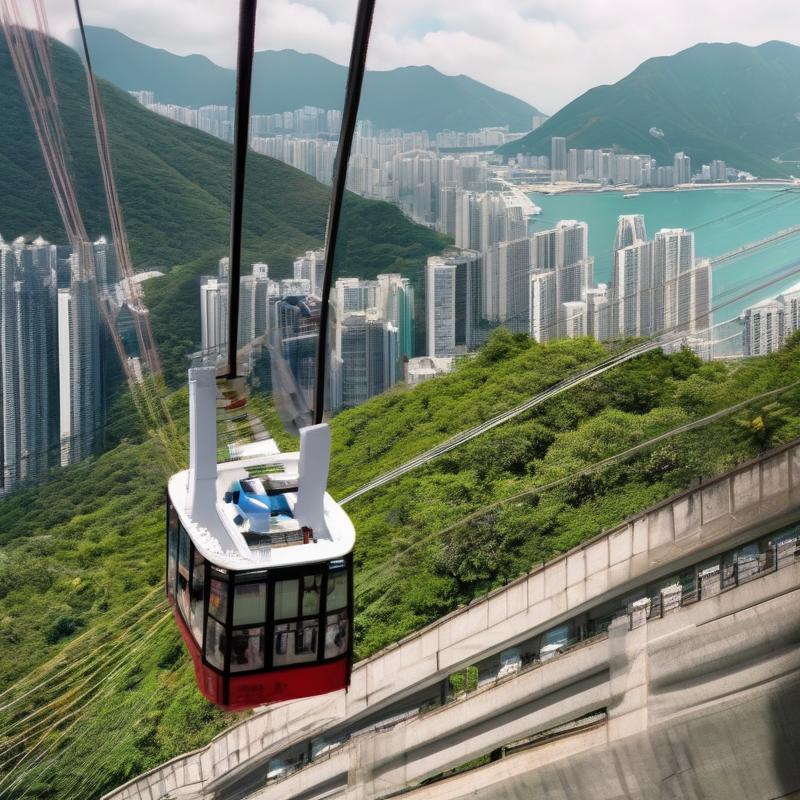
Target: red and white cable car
{"type": "Point", "coordinates": [259, 565]}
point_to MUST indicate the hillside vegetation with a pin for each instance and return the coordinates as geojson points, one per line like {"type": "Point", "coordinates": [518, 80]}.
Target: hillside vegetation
{"type": "Point", "coordinates": [408, 98]}
{"type": "Point", "coordinates": [174, 186]}
{"type": "Point", "coordinates": [82, 562]}
{"type": "Point", "coordinates": [725, 101]}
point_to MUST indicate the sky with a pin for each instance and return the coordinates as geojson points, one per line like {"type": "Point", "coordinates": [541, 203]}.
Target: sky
{"type": "Point", "coordinates": [546, 52]}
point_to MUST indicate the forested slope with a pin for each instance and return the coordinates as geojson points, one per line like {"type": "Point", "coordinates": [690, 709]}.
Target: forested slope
{"type": "Point", "coordinates": [174, 187]}
{"type": "Point", "coordinates": [82, 562]}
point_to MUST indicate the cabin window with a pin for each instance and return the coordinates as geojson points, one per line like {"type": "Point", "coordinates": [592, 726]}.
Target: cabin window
{"type": "Point", "coordinates": [306, 641]}
{"type": "Point", "coordinates": [172, 551]}
{"type": "Point", "coordinates": [337, 590]}
{"type": "Point", "coordinates": [183, 574]}
{"type": "Point", "coordinates": [250, 603]}
{"type": "Point", "coordinates": [283, 648]}
{"type": "Point", "coordinates": [247, 649]}
{"type": "Point", "coordinates": [286, 599]}
{"type": "Point", "coordinates": [218, 600]}
{"type": "Point", "coordinates": [197, 597]}
{"type": "Point", "coordinates": [312, 585]}
{"type": "Point", "coordinates": [336, 634]}
{"type": "Point", "coordinates": [215, 643]}
{"type": "Point", "coordinates": [295, 642]}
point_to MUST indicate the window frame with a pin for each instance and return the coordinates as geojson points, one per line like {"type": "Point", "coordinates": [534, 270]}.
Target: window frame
{"type": "Point", "coordinates": [231, 578]}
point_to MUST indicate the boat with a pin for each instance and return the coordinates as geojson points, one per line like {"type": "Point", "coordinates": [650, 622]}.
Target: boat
{"type": "Point", "coordinates": [629, 195]}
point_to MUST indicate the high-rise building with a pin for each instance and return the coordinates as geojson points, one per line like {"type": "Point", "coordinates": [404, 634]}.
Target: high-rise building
{"type": "Point", "coordinates": [598, 313]}
{"type": "Point", "coordinates": [682, 168]}
{"type": "Point", "coordinates": [543, 306]}
{"type": "Point", "coordinates": [311, 267]}
{"type": "Point", "coordinates": [295, 338]}
{"type": "Point", "coordinates": [105, 261]}
{"type": "Point", "coordinates": [8, 369]}
{"type": "Point", "coordinates": [368, 358]}
{"type": "Point", "coordinates": [506, 285]}
{"type": "Point", "coordinates": [630, 229]}
{"type": "Point", "coordinates": [564, 250]}
{"type": "Point", "coordinates": [791, 308]}
{"type": "Point", "coordinates": [448, 198]}
{"type": "Point", "coordinates": [632, 295]}
{"type": "Point", "coordinates": [81, 398]}
{"type": "Point", "coordinates": [213, 315]}
{"type": "Point", "coordinates": [764, 330]}
{"type": "Point", "coordinates": [572, 317]}
{"type": "Point", "coordinates": [676, 304]}
{"type": "Point", "coordinates": [35, 293]}
{"type": "Point", "coordinates": [558, 158]}
{"type": "Point", "coordinates": [719, 171]}
{"type": "Point", "coordinates": [453, 302]}
{"type": "Point", "coordinates": [396, 306]}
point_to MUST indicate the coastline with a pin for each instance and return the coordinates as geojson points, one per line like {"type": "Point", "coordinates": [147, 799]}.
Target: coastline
{"type": "Point", "coordinates": [595, 188]}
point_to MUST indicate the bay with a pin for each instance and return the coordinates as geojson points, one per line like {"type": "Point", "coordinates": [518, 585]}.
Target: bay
{"type": "Point", "coordinates": [722, 219]}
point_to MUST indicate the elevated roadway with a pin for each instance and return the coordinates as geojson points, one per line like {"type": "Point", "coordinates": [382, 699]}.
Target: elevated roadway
{"type": "Point", "coordinates": [589, 677]}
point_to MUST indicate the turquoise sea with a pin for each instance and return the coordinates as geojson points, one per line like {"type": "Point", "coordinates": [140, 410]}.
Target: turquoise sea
{"type": "Point", "coordinates": [722, 219]}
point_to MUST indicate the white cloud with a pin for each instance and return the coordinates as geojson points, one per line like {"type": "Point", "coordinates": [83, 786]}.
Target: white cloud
{"type": "Point", "coordinates": [544, 51]}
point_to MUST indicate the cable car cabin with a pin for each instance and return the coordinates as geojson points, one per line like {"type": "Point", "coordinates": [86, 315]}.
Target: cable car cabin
{"type": "Point", "coordinates": [259, 566]}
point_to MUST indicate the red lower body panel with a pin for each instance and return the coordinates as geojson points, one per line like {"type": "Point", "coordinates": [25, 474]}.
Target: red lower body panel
{"type": "Point", "coordinates": [258, 688]}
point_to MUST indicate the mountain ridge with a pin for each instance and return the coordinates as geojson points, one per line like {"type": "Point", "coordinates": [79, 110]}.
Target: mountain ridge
{"type": "Point", "coordinates": [411, 97]}
{"type": "Point", "coordinates": [713, 100]}
{"type": "Point", "coordinates": [174, 187]}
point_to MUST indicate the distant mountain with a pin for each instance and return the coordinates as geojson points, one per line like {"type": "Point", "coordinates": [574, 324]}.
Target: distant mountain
{"type": "Point", "coordinates": [728, 101]}
{"type": "Point", "coordinates": [174, 186]}
{"type": "Point", "coordinates": [410, 98]}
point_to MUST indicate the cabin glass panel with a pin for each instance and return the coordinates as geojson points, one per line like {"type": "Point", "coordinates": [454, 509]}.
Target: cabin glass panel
{"type": "Point", "coordinates": [215, 643]}
{"type": "Point", "coordinates": [247, 649]}
{"type": "Point", "coordinates": [197, 596]}
{"type": "Point", "coordinates": [337, 590]}
{"type": "Point", "coordinates": [286, 599]}
{"type": "Point", "coordinates": [312, 585]}
{"type": "Point", "coordinates": [250, 603]}
{"type": "Point", "coordinates": [336, 635]}
{"type": "Point", "coordinates": [218, 599]}
{"type": "Point", "coordinates": [183, 573]}
{"type": "Point", "coordinates": [172, 550]}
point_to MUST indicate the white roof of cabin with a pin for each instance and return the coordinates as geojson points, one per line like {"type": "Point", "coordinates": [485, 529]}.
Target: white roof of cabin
{"type": "Point", "coordinates": [221, 541]}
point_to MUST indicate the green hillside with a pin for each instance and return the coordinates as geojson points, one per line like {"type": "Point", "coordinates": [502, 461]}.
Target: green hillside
{"type": "Point", "coordinates": [409, 98]}
{"type": "Point", "coordinates": [81, 604]}
{"type": "Point", "coordinates": [727, 101]}
{"type": "Point", "coordinates": [174, 186]}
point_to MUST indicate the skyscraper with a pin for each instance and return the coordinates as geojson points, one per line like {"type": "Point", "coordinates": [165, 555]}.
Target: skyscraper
{"type": "Point", "coordinates": [632, 295]}
{"type": "Point", "coordinates": [630, 229]}
{"type": "Point", "coordinates": [105, 261]}
{"type": "Point", "coordinates": [764, 330]}
{"type": "Point", "coordinates": [564, 250]}
{"type": "Point", "coordinates": [558, 158]}
{"type": "Point", "coordinates": [311, 267]}
{"type": "Point", "coordinates": [396, 306]}
{"type": "Point", "coordinates": [368, 354]}
{"type": "Point", "coordinates": [453, 302]}
{"type": "Point", "coordinates": [80, 368]}
{"type": "Point", "coordinates": [543, 307]}
{"type": "Point", "coordinates": [682, 168]}
{"type": "Point", "coordinates": [36, 356]}
{"type": "Point", "coordinates": [674, 306]}
{"type": "Point", "coordinates": [598, 313]}
{"type": "Point", "coordinates": [8, 370]}
{"type": "Point", "coordinates": [440, 301]}
{"type": "Point", "coordinates": [213, 315]}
